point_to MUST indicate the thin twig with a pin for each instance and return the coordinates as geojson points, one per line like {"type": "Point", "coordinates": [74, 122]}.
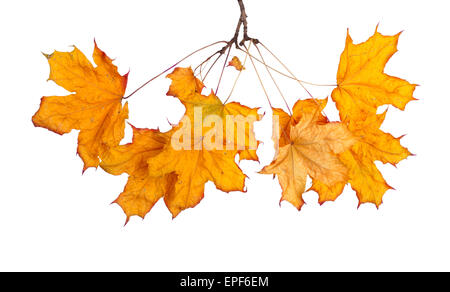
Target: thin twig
{"type": "Point", "coordinates": [242, 22]}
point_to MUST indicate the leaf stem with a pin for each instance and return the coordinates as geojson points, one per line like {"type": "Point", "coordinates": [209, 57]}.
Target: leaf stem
{"type": "Point", "coordinates": [223, 69]}
{"type": "Point", "coordinates": [242, 22]}
{"type": "Point", "coordinates": [210, 68]}
{"type": "Point", "coordinates": [287, 69]}
{"type": "Point", "coordinates": [286, 75]}
{"type": "Point", "coordinates": [292, 74]}
{"type": "Point", "coordinates": [259, 77]}
{"type": "Point", "coordinates": [273, 79]}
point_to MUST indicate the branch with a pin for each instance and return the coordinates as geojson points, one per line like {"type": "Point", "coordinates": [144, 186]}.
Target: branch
{"type": "Point", "coordinates": [242, 22]}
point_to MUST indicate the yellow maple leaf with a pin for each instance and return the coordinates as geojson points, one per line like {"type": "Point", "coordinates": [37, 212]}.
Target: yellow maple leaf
{"type": "Point", "coordinates": [281, 138]}
{"type": "Point", "coordinates": [157, 169]}
{"type": "Point", "coordinates": [311, 149]}
{"type": "Point", "coordinates": [194, 168]}
{"type": "Point", "coordinates": [283, 122]}
{"type": "Point", "coordinates": [95, 108]}
{"type": "Point", "coordinates": [372, 145]}
{"type": "Point", "coordinates": [328, 193]}
{"type": "Point", "coordinates": [203, 145]}
{"type": "Point", "coordinates": [176, 165]}
{"type": "Point", "coordinates": [236, 63]}
{"type": "Point", "coordinates": [184, 83]}
{"type": "Point", "coordinates": [210, 110]}
{"type": "Point", "coordinates": [362, 84]}
{"type": "Point", "coordinates": [142, 190]}
{"type": "Point", "coordinates": [362, 88]}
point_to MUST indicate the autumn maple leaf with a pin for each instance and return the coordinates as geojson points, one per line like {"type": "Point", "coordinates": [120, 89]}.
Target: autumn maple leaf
{"type": "Point", "coordinates": [362, 84]}
{"type": "Point", "coordinates": [187, 88]}
{"type": "Point", "coordinates": [157, 170]}
{"type": "Point", "coordinates": [283, 121]}
{"type": "Point", "coordinates": [372, 145]}
{"type": "Point", "coordinates": [310, 147]}
{"type": "Point", "coordinates": [177, 164]}
{"type": "Point", "coordinates": [194, 168]}
{"type": "Point", "coordinates": [203, 146]}
{"type": "Point", "coordinates": [362, 88]}
{"type": "Point", "coordinates": [142, 190]}
{"type": "Point", "coordinates": [236, 63]}
{"type": "Point", "coordinates": [95, 108]}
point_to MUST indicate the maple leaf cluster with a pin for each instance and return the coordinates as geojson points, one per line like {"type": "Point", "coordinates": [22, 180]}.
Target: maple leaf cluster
{"type": "Point", "coordinates": [156, 170]}
{"type": "Point", "coordinates": [307, 143]}
{"type": "Point", "coordinates": [334, 154]}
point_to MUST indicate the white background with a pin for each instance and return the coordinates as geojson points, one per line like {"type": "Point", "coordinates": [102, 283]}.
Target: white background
{"type": "Point", "coordinates": [52, 218]}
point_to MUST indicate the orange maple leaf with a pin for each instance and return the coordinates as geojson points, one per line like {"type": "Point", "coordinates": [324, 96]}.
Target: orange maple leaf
{"type": "Point", "coordinates": [203, 146]}
{"type": "Point", "coordinates": [236, 63]}
{"type": "Point", "coordinates": [177, 164]}
{"type": "Point", "coordinates": [142, 190]}
{"type": "Point", "coordinates": [187, 88]}
{"type": "Point", "coordinates": [157, 170]}
{"type": "Point", "coordinates": [362, 88]}
{"type": "Point", "coordinates": [283, 122]}
{"type": "Point", "coordinates": [364, 177]}
{"type": "Point", "coordinates": [310, 146]}
{"type": "Point", "coordinates": [362, 84]}
{"type": "Point", "coordinates": [95, 108]}
{"type": "Point", "coordinates": [194, 168]}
